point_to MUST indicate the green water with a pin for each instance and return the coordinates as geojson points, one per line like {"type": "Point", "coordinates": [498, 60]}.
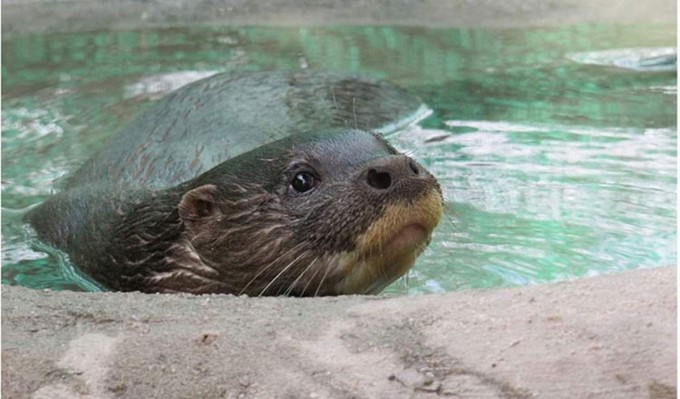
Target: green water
{"type": "Point", "coordinates": [555, 148]}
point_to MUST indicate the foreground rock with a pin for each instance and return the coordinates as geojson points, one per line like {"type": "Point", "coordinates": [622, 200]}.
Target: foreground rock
{"type": "Point", "coordinates": [608, 337]}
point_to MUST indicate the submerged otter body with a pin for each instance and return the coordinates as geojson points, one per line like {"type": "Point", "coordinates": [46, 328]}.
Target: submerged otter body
{"type": "Point", "coordinates": [263, 184]}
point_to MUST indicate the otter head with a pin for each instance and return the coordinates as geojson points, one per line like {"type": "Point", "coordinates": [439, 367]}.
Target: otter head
{"type": "Point", "coordinates": [330, 213]}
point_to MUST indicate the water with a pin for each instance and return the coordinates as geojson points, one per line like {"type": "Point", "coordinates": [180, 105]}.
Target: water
{"type": "Point", "coordinates": [555, 148]}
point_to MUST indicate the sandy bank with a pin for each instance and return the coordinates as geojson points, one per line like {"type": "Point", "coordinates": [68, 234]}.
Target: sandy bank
{"type": "Point", "coordinates": [604, 337]}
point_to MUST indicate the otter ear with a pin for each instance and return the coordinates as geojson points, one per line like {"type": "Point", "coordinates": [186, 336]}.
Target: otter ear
{"type": "Point", "coordinates": [198, 205]}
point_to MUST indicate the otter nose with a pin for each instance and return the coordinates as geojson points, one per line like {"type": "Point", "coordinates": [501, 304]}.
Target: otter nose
{"type": "Point", "coordinates": [384, 173]}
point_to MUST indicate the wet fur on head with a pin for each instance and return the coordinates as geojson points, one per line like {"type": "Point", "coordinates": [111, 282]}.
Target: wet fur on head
{"type": "Point", "coordinates": [241, 227]}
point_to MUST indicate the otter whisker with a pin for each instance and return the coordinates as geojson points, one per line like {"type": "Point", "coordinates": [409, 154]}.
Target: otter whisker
{"type": "Point", "coordinates": [311, 278]}
{"type": "Point", "coordinates": [449, 220]}
{"type": "Point", "coordinates": [334, 101]}
{"type": "Point", "coordinates": [269, 265]}
{"type": "Point", "coordinates": [294, 283]}
{"type": "Point", "coordinates": [323, 278]}
{"type": "Point", "coordinates": [280, 273]}
{"type": "Point", "coordinates": [407, 280]}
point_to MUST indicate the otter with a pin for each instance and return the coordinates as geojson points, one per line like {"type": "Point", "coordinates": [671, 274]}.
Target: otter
{"type": "Point", "coordinates": [269, 183]}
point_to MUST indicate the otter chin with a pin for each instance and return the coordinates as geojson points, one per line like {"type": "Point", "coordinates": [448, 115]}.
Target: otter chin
{"type": "Point", "coordinates": [390, 246]}
{"type": "Point", "coordinates": [171, 206]}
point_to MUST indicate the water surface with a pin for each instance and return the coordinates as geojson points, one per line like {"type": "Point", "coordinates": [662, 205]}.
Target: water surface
{"type": "Point", "coordinates": [555, 148]}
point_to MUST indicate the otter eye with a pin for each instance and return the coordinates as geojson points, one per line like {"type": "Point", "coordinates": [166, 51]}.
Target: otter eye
{"type": "Point", "coordinates": [302, 182]}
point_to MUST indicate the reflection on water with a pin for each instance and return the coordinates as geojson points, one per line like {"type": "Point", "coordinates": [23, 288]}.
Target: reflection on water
{"type": "Point", "coordinates": [555, 148]}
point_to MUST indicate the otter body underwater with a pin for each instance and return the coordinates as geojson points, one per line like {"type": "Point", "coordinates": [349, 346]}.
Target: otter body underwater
{"type": "Point", "coordinates": [258, 184]}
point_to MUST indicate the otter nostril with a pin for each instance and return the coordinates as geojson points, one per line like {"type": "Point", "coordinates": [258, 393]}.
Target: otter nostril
{"type": "Point", "coordinates": [413, 167]}
{"type": "Point", "coordinates": [379, 180]}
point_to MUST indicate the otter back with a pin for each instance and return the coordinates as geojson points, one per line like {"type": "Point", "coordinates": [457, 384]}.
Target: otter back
{"type": "Point", "coordinates": [215, 119]}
